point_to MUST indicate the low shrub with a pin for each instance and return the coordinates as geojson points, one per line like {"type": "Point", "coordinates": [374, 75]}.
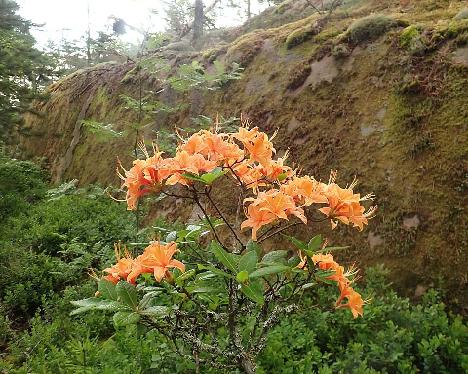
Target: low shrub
{"type": "Point", "coordinates": [369, 28]}
{"type": "Point", "coordinates": [23, 183]}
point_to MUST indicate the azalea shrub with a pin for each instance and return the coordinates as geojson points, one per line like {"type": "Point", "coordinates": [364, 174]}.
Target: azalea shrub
{"type": "Point", "coordinates": [210, 291]}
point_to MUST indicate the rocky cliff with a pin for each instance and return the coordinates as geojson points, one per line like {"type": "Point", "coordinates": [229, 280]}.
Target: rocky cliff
{"type": "Point", "coordinates": [377, 90]}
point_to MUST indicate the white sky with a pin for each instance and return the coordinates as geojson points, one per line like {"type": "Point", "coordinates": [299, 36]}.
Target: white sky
{"type": "Point", "coordinates": [69, 18]}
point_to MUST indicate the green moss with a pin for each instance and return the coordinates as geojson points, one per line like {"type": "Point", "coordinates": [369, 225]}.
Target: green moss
{"type": "Point", "coordinates": [244, 49]}
{"type": "Point", "coordinates": [341, 51]}
{"type": "Point", "coordinates": [462, 14]}
{"type": "Point", "coordinates": [369, 28]}
{"type": "Point", "coordinates": [412, 40]}
{"type": "Point", "coordinates": [298, 75]}
{"type": "Point", "coordinates": [302, 34]}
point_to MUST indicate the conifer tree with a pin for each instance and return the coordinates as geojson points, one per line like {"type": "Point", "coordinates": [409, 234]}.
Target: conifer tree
{"type": "Point", "coordinates": [23, 69]}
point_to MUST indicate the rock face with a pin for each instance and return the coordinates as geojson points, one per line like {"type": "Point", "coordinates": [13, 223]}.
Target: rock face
{"type": "Point", "coordinates": [394, 120]}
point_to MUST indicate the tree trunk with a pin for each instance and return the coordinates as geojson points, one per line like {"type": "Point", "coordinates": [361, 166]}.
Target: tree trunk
{"type": "Point", "coordinates": [246, 364]}
{"type": "Point", "coordinates": [249, 11]}
{"type": "Point", "coordinates": [198, 21]}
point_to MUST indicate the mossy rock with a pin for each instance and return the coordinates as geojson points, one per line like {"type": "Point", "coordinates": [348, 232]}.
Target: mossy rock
{"type": "Point", "coordinates": [244, 49]}
{"type": "Point", "coordinates": [298, 75]}
{"type": "Point", "coordinates": [370, 28]}
{"type": "Point", "coordinates": [462, 14]}
{"type": "Point", "coordinates": [303, 34]}
{"type": "Point", "coordinates": [412, 40]}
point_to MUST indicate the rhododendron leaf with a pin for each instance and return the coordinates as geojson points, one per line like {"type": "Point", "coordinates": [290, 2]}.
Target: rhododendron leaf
{"type": "Point", "coordinates": [193, 177]}
{"type": "Point", "coordinates": [215, 270]}
{"type": "Point", "coordinates": [202, 288]}
{"type": "Point", "coordinates": [321, 275]}
{"type": "Point", "coordinates": [209, 178]}
{"type": "Point", "coordinates": [282, 176]}
{"type": "Point", "coordinates": [268, 270]}
{"type": "Point", "coordinates": [147, 299]}
{"type": "Point", "coordinates": [171, 237]}
{"type": "Point", "coordinates": [248, 261]}
{"type": "Point", "coordinates": [93, 303]}
{"type": "Point", "coordinates": [107, 289]}
{"type": "Point", "coordinates": [298, 243]}
{"type": "Point", "coordinates": [294, 261]}
{"type": "Point", "coordinates": [274, 257]}
{"type": "Point", "coordinates": [125, 318]}
{"type": "Point", "coordinates": [308, 285]}
{"type": "Point", "coordinates": [224, 257]}
{"type": "Point", "coordinates": [242, 276]}
{"type": "Point", "coordinates": [184, 276]}
{"type": "Point", "coordinates": [315, 243]}
{"type": "Point", "coordinates": [157, 311]}
{"type": "Point", "coordinates": [254, 291]}
{"type": "Point", "coordinates": [127, 294]}
{"type": "Point", "coordinates": [254, 246]}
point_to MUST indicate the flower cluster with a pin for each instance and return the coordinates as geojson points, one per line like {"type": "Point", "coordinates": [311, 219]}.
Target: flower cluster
{"type": "Point", "coordinates": [342, 278]}
{"type": "Point", "coordinates": [248, 156]}
{"type": "Point", "coordinates": [156, 259]}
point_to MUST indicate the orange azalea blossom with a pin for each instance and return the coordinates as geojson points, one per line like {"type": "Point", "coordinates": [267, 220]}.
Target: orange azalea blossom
{"type": "Point", "coordinates": [121, 269]}
{"type": "Point", "coordinates": [184, 162]}
{"type": "Point", "coordinates": [156, 259]}
{"type": "Point", "coordinates": [213, 146]}
{"type": "Point", "coordinates": [256, 218]}
{"type": "Point", "coordinates": [276, 168]}
{"type": "Point", "coordinates": [355, 302]}
{"type": "Point", "coordinates": [257, 144]}
{"type": "Point", "coordinates": [305, 190]}
{"type": "Point", "coordinates": [344, 205]}
{"type": "Point", "coordinates": [269, 206]}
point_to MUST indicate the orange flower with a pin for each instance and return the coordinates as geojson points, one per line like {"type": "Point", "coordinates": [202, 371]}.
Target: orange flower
{"type": "Point", "coordinates": [355, 302]}
{"type": "Point", "coordinates": [344, 205]}
{"type": "Point", "coordinates": [305, 190]}
{"type": "Point", "coordinates": [184, 162]}
{"type": "Point", "coordinates": [256, 218]}
{"type": "Point", "coordinates": [276, 168]}
{"type": "Point", "coordinates": [260, 149]}
{"type": "Point", "coordinates": [121, 269]}
{"type": "Point", "coordinates": [156, 259]}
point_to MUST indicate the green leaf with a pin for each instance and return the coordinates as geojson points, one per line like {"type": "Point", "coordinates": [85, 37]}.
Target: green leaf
{"type": "Point", "coordinates": [248, 261]}
{"type": "Point", "coordinates": [242, 276]}
{"type": "Point", "coordinates": [274, 257]}
{"type": "Point", "coordinates": [107, 289]}
{"type": "Point", "coordinates": [171, 237]}
{"type": "Point", "coordinates": [184, 276]}
{"type": "Point", "coordinates": [202, 289]}
{"type": "Point", "coordinates": [274, 269]}
{"type": "Point", "coordinates": [315, 243]}
{"type": "Point", "coordinates": [147, 299]}
{"type": "Point", "coordinates": [224, 257]}
{"type": "Point", "coordinates": [298, 243]}
{"type": "Point", "coordinates": [209, 178]}
{"type": "Point", "coordinates": [294, 261]}
{"type": "Point", "coordinates": [282, 176]}
{"type": "Point", "coordinates": [193, 177]}
{"type": "Point", "coordinates": [215, 270]}
{"type": "Point", "coordinates": [127, 294]}
{"type": "Point", "coordinates": [254, 246]}
{"type": "Point", "coordinates": [94, 303]}
{"type": "Point", "coordinates": [254, 291]}
{"type": "Point", "coordinates": [157, 311]}
{"type": "Point", "coordinates": [125, 318]}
